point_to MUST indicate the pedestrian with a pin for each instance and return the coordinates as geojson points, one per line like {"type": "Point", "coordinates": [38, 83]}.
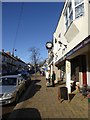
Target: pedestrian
{"type": "Point", "coordinates": [47, 77]}
{"type": "Point", "coordinates": [73, 86]}
{"type": "Point", "coordinates": [53, 78]}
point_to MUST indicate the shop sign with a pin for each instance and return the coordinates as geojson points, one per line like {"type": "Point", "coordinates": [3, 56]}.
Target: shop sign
{"type": "Point", "coordinates": [86, 41]}
{"type": "Point", "coordinates": [82, 44]}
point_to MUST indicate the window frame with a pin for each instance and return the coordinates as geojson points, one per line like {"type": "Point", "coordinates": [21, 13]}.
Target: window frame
{"type": "Point", "coordinates": [71, 13]}
{"type": "Point", "coordinates": [78, 5]}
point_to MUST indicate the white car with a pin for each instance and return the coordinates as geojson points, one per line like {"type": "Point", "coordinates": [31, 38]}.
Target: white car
{"type": "Point", "coordinates": [11, 87]}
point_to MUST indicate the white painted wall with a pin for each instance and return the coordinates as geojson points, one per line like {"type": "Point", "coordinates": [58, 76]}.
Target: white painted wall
{"type": "Point", "coordinates": [68, 75]}
{"type": "Point", "coordinates": [76, 33]}
{"type": "Point", "coordinates": [89, 18]}
{"type": "Point", "coordinates": [81, 25]}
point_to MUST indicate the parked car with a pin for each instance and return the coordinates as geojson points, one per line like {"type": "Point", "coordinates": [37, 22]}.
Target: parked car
{"type": "Point", "coordinates": [27, 77]}
{"type": "Point", "coordinates": [11, 87]}
{"type": "Point", "coordinates": [27, 81]}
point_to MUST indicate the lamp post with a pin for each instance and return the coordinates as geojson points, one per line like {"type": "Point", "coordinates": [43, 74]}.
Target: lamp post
{"type": "Point", "coordinates": [49, 46]}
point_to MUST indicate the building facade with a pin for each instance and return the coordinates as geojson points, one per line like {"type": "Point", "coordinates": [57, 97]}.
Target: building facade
{"type": "Point", "coordinates": [71, 43]}
{"type": "Point", "coordinates": [10, 64]}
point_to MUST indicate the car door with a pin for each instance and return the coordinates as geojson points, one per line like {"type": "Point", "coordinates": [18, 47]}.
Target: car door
{"type": "Point", "coordinates": [21, 85]}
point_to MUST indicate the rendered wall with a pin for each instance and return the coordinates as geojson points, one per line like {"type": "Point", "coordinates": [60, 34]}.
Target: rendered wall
{"type": "Point", "coordinates": [81, 25]}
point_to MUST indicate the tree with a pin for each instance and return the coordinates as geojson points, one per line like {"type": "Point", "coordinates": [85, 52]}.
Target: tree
{"type": "Point", "coordinates": [35, 56]}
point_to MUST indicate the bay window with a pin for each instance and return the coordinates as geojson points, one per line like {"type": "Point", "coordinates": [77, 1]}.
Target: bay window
{"type": "Point", "coordinates": [79, 8]}
{"type": "Point", "coordinates": [66, 19]}
{"type": "Point", "coordinates": [70, 12]}
{"type": "Point", "coordinates": [74, 9]}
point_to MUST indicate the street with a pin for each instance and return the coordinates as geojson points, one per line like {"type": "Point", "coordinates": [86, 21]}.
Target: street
{"type": "Point", "coordinates": [40, 101]}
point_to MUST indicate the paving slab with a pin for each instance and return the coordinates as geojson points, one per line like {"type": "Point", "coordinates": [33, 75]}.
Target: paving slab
{"type": "Point", "coordinates": [46, 102]}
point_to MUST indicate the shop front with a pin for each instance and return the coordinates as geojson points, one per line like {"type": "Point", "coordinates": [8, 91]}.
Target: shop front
{"type": "Point", "coordinates": [77, 64]}
{"type": "Point", "coordinates": [61, 68]}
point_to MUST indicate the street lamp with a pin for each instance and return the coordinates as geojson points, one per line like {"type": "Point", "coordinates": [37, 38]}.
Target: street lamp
{"type": "Point", "coordinates": [49, 46]}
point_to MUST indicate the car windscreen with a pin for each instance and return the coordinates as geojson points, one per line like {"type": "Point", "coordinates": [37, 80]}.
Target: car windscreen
{"type": "Point", "coordinates": [8, 81]}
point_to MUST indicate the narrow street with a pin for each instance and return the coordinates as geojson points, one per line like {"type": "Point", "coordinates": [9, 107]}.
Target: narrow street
{"type": "Point", "coordinates": [40, 101]}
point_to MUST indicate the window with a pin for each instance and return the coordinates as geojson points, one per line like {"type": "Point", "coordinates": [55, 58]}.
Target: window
{"type": "Point", "coordinates": [68, 14]}
{"type": "Point", "coordinates": [71, 17]}
{"type": "Point", "coordinates": [74, 9]}
{"type": "Point", "coordinates": [66, 18]}
{"type": "Point", "coordinates": [79, 8]}
{"type": "Point", "coordinates": [3, 58]}
{"type": "Point", "coordinates": [78, 2]}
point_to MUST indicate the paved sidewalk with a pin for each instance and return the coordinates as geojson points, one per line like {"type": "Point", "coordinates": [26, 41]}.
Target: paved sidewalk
{"type": "Point", "coordinates": [46, 102]}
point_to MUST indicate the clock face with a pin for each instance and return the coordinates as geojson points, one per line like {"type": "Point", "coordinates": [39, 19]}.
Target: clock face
{"type": "Point", "coordinates": [48, 45]}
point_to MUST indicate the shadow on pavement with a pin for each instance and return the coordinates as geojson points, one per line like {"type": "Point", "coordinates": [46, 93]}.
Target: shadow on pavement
{"type": "Point", "coordinates": [60, 83]}
{"type": "Point", "coordinates": [7, 109]}
{"type": "Point", "coordinates": [36, 81]}
{"type": "Point", "coordinates": [71, 96]}
{"type": "Point", "coordinates": [31, 91]}
{"type": "Point", "coordinates": [25, 113]}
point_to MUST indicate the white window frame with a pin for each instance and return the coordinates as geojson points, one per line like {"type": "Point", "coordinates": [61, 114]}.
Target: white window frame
{"type": "Point", "coordinates": [72, 11]}
{"type": "Point", "coordinates": [78, 5]}
{"type": "Point", "coordinates": [66, 19]}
